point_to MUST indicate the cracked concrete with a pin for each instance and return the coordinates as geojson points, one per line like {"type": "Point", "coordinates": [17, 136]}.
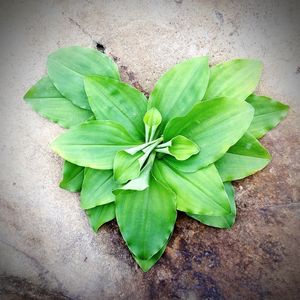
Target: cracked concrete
{"type": "Point", "coordinates": [47, 248]}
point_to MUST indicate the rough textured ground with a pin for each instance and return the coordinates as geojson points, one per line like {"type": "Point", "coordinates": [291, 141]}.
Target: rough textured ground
{"type": "Point", "coordinates": [48, 250]}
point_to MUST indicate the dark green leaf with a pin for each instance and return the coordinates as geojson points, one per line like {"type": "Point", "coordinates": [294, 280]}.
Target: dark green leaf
{"type": "Point", "coordinates": [45, 99]}
{"type": "Point", "coordinates": [67, 68]}
{"type": "Point", "coordinates": [113, 100]}
{"type": "Point", "coordinates": [100, 215]}
{"type": "Point", "coordinates": [72, 177]}
{"type": "Point", "coordinates": [147, 264]}
{"type": "Point", "coordinates": [268, 114]}
{"type": "Point", "coordinates": [220, 221]}
{"type": "Point", "coordinates": [146, 218]}
{"type": "Point", "coordinates": [214, 126]}
{"type": "Point", "coordinates": [234, 79]}
{"type": "Point", "coordinates": [244, 158]}
{"type": "Point", "coordinates": [96, 188]}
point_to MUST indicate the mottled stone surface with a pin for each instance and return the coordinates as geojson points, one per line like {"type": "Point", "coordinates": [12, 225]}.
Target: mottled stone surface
{"type": "Point", "coordinates": [47, 249]}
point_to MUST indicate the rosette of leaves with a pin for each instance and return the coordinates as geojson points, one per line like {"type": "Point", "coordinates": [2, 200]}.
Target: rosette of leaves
{"type": "Point", "coordinates": [141, 160]}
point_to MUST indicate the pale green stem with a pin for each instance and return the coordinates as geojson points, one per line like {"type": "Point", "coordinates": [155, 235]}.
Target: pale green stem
{"type": "Point", "coordinates": [138, 148]}
{"type": "Point", "coordinates": [148, 151]}
{"type": "Point", "coordinates": [153, 130]}
{"type": "Point", "coordinates": [164, 145]}
{"type": "Point", "coordinates": [147, 133]}
{"type": "Point", "coordinates": [163, 150]}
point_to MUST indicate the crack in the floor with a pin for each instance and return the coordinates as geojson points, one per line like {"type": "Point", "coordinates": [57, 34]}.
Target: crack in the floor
{"type": "Point", "coordinates": [43, 272]}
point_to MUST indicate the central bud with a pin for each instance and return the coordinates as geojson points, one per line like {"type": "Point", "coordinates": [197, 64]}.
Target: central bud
{"type": "Point", "coordinates": [132, 166]}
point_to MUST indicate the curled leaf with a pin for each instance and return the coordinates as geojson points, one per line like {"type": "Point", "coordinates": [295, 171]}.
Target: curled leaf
{"type": "Point", "coordinates": [180, 147]}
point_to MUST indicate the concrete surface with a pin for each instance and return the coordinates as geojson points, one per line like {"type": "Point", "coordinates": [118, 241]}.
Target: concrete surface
{"type": "Point", "coordinates": [48, 250]}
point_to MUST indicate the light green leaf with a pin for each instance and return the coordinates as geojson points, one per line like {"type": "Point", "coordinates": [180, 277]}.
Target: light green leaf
{"type": "Point", "coordinates": [96, 188]}
{"type": "Point", "coordinates": [67, 68]}
{"type": "Point", "coordinates": [244, 158]}
{"type": "Point", "coordinates": [110, 99]}
{"type": "Point", "coordinates": [201, 192]}
{"type": "Point", "coordinates": [212, 125]}
{"type": "Point", "coordinates": [179, 89]}
{"type": "Point", "coordinates": [93, 144]}
{"type": "Point", "coordinates": [235, 79]}
{"type": "Point", "coordinates": [45, 99]}
{"type": "Point", "coordinates": [101, 214]}
{"type": "Point", "coordinates": [220, 221]}
{"type": "Point", "coordinates": [72, 177]}
{"type": "Point", "coordinates": [152, 120]}
{"type": "Point", "coordinates": [180, 147]}
{"type": "Point", "coordinates": [147, 264]}
{"type": "Point", "coordinates": [126, 166]}
{"type": "Point", "coordinates": [268, 114]}
{"type": "Point", "coordinates": [146, 218]}
{"type": "Point", "coordinates": [142, 182]}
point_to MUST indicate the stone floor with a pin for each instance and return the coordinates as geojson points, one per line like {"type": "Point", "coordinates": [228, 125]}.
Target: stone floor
{"type": "Point", "coordinates": [47, 249]}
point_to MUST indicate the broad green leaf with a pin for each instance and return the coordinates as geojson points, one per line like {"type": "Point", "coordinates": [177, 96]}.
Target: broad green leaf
{"type": "Point", "coordinates": [179, 89]}
{"type": "Point", "coordinates": [72, 177]}
{"type": "Point", "coordinates": [235, 79]}
{"type": "Point", "coordinates": [201, 192]}
{"type": "Point", "coordinates": [220, 221]}
{"type": "Point", "coordinates": [147, 264]}
{"type": "Point", "coordinates": [101, 214]}
{"type": "Point", "coordinates": [96, 188]}
{"type": "Point", "coordinates": [67, 68]}
{"type": "Point", "coordinates": [110, 99]}
{"type": "Point", "coordinates": [244, 158]}
{"type": "Point", "coordinates": [268, 114]}
{"type": "Point", "coordinates": [180, 147]}
{"type": "Point", "coordinates": [126, 166]}
{"type": "Point", "coordinates": [214, 126]}
{"type": "Point", "coordinates": [146, 218]}
{"type": "Point", "coordinates": [152, 120]}
{"type": "Point", "coordinates": [93, 144]}
{"type": "Point", "coordinates": [45, 99]}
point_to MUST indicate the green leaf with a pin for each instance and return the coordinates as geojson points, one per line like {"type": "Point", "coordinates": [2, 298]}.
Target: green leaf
{"type": "Point", "coordinates": [268, 114]}
{"type": "Point", "coordinates": [235, 79]}
{"type": "Point", "coordinates": [45, 99]}
{"type": "Point", "coordinates": [93, 144]}
{"type": "Point", "coordinates": [67, 68]}
{"type": "Point", "coordinates": [225, 221]}
{"type": "Point", "coordinates": [152, 120]}
{"type": "Point", "coordinates": [214, 126]}
{"type": "Point", "coordinates": [244, 158]}
{"type": "Point", "coordinates": [201, 192]}
{"type": "Point", "coordinates": [113, 100]}
{"type": "Point", "coordinates": [180, 147]}
{"type": "Point", "coordinates": [142, 181]}
{"type": "Point", "coordinates": [147, 264]}
{"type": "Point", "coordinates": [101, 214]}
{"type": "Point", "coordinates": [179, 89]}
{"type": "Point", "coordinates": [96, 188]}
{"type": "Point", "coordinates": [126, 166]}
{"type": "Point", "coordinates": [146, 218]}
{"type": "Point", "coordinates": [72, 177]}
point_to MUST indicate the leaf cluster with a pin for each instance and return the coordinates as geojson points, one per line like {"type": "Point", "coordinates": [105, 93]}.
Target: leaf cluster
{"type": "Point", "coordinates": [141, 160]}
